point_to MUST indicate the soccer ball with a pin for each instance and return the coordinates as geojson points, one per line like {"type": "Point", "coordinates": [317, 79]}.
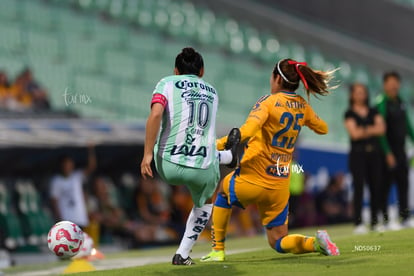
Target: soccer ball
{"type": "Point", "coordinates": [65, 239]}
{"type": "Point", "coordinates": [86, 248]}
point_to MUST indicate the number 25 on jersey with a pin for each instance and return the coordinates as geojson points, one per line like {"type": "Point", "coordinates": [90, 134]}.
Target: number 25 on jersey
{"type": "Point", "coordinates": [287, 120]}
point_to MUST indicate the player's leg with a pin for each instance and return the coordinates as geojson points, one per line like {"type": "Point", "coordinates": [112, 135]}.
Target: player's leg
{"type": "Point", "coordinates": [357, 165]}
{"type": "Point", "coordinates": [220, 220]}
{"type": "Point", "coordinates": [374, 180]}
{"type": "Point", "coordinates": [273, 208]}
{"type": "Point", "coordinates": [229, 156]}
{"type": "Point", "coordinates": [202, 187]}
{"type": "Point", "coordinates": [401, 177]}
{"type": "Point", "coordinates": [235, 192]}
{"type": "Point", "coordinates": [299, 244]}
{"type": "Point", "coordinates": [386, 182]}
{"type": "Point", "coordinates": [202, 184]}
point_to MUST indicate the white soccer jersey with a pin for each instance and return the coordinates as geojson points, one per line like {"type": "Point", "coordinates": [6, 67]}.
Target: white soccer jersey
{"type": "Point", "coordinates": [188, 131]}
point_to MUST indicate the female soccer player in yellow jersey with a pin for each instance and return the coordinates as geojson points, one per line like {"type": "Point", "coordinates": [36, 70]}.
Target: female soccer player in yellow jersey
{"type": "Point", "coordinates": [262, 177]}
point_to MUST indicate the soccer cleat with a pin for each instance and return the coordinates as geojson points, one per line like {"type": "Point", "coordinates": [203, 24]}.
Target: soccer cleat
{"type": "Point", "coordinates": [233, 140]}
{"type": "Point", "coordinates": [324, 245]}
{"type": "Point", "coordinates": [214, 256]}
{"type": "Point", "coordinates": [178, 260]}
{"type": "Point", "coordinates": [360, 229]}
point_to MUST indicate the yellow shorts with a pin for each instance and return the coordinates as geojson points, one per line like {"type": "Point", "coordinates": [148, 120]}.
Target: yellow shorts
{"type": "Point", "coordinates": [273, 204]}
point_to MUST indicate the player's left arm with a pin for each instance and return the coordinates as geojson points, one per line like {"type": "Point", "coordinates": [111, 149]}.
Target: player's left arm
{"type": "Point", "coordinates": [151, 133]}
{"type": "Point", "coordinates": [253, 124]}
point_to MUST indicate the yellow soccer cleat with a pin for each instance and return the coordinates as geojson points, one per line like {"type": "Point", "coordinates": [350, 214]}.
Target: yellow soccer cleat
{"type": "Point", "coordinates": [214, 256]}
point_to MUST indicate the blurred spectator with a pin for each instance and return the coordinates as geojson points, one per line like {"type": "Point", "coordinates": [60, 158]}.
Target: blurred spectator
{"type": "Point", "coordinates": [182, 203]}
{"type": "Point", "coordinates": [305, 213]}
{"type": "Point", "coordinates": [104, 204]}
{"type": "Point", "coordinates": [104, 210]}
{"type": "Point", "coordinates": [394, 110]}
{"type": "Point", "coordinates": [66, 191]}
{"type": "Point", "coordinates": [4, 88]}
{"type": "Point", "coordinates": [22, 100]}
{"type": "Point", "coordinates": [23, 94]}
{"type": "Point", "coordinates": [332, 202]}
{"type": "Point", "coordinates": [153, 208]}
{"type": "Point", "coordinates": [39, 98]}
{"type": "Point", "coordinates": [7, 98]}
{"type": "Point", "coordinates": [364, 126]}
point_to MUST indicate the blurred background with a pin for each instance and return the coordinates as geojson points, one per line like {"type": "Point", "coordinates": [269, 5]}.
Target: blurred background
{"type": "Point", "coordinates": [76, 80]}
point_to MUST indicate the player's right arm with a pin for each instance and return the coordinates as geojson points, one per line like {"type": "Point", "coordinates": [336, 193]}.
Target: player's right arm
{"type": "Point", "coordinates": [253, 124]}
{"type": "Point", "coordinates": [158, 104]}
{"type": "Point", "coordinates": [151, 133]}
{"type": "Point", "coordinates": [313, 121]}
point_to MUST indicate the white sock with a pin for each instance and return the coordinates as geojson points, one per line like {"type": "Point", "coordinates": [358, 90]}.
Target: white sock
{"type": "Point", "coordinates": [225, 157]}
{"type": "Point", "coordinates": [196, 222]}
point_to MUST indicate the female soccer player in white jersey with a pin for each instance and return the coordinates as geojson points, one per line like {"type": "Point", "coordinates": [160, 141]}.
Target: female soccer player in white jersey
{"type": "Point", "coordinates": [185, 153]}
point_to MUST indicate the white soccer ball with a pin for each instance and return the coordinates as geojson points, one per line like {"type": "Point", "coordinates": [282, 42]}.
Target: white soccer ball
{"type": "Point", "coordinates": [65, 239]}
{"type": "Point", "coordinates": [86, 248]}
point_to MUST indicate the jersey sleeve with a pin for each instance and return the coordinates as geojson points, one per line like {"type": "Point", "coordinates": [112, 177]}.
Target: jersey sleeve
{"type": "Point", "coordinates": [257, 117]}
{"type": "Point", "coordinates": [315, 123]}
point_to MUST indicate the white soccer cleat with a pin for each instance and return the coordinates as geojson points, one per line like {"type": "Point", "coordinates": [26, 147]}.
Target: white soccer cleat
{"type": "Point", "coordinates": [324, 245]}
{"type": "Point", "coordinates": [360, 229]}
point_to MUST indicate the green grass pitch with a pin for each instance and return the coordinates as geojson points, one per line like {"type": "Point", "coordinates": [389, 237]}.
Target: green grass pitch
{"type": "Point", "coordinates": [389, 253]}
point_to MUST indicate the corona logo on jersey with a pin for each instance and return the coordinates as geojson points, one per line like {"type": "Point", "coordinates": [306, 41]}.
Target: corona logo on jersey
{"type": "Point", "coordinates": [65, 239]}
{"type": "Point", "coordinates": [185, 84]}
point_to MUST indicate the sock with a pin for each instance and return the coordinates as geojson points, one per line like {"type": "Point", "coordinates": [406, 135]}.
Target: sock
{"type": "Point", "coordinates": [296, 244]}
{"type": "Point", "coordinates": [196, 222]}
{"type": "Point", "coordinates": [221, 218]}
{"type": "Point", "coordinates": [225, 157]}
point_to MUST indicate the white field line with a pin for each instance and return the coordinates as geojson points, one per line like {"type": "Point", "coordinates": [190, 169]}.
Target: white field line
{"type": "Point", "coordinates": [127, 262]}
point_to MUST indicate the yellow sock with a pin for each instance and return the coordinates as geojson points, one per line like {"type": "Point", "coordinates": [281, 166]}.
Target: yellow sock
{"type": "Point", "coordinates": [297, 244]}
{"type": "Point", "coordinates": [221, 218]}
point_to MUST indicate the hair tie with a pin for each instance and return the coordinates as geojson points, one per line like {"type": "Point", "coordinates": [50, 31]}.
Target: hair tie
{"type": "Point", "coordinates": [302, 77]}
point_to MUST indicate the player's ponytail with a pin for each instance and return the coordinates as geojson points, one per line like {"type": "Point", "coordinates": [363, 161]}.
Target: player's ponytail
{"type": "Point", "coordinates": [293, 72]}
{"type": "Point", "coordinates": [189, 62]}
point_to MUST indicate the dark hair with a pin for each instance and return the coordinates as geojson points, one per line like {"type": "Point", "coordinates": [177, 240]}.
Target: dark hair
{"type": "Point", "coordinates": [189, 62]}
{"type": "Point", "coordinates": [352, 88]}
{"type": "Point", "coordinates": [318, 81]}
{"type": "Point", "coordinates": [391, 74]}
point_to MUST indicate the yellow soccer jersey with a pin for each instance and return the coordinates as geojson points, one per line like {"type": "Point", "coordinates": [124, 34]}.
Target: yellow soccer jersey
{"type": "Point", "coordinates": [273, 126]}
